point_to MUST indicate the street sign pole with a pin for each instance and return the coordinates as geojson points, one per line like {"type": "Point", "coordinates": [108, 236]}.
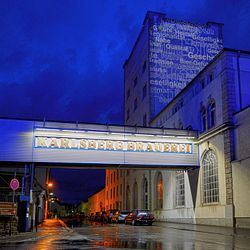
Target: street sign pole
{"type": "Point", "coordinates": [14, 184]}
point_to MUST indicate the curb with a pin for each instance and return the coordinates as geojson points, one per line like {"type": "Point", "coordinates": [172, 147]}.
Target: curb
{"type": "Point", "coordinates": [65, 226]}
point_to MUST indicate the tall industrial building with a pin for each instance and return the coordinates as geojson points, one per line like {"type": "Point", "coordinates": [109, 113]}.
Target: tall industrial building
{"type": "Point", "coordinates": [178, 76]}
{"type": "Point", "coordinates": [166, 56]}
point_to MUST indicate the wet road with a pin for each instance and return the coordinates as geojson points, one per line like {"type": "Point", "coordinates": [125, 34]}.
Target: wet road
{"type": "Point", "coordinates": [160, 236]}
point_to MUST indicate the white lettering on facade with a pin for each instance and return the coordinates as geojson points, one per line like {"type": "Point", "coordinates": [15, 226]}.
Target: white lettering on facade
{"type": "Point", "coordinates": [93, 144]}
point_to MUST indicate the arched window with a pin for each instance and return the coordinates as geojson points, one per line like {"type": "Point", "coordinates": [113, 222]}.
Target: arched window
{"type": "Point", "coordinates": [211, 114]}
{"type": "Point", "coordinates": [179, 189]}
{"type": "Point", "coordinates": [135, 195]}
{"type": "Point", "coordinates": [203, 119]}
{"type": "Point", "coordinates": [210, 177]}
{"type": "Point", "coordinates": [128, 198]}
{"type": "Point", "coordinates": [159, 191]}
{"type": "Point", "coordinates": [145, 194]}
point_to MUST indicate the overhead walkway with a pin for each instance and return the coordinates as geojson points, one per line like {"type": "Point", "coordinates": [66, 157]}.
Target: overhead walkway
{"type": "Point", "coordinates": [95, 145]}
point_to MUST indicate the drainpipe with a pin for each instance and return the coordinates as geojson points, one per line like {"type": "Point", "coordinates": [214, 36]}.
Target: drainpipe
{"type": "Point", "coordinates": [239, 78]}
{"type": "Point", "coordinates": [150, 192]}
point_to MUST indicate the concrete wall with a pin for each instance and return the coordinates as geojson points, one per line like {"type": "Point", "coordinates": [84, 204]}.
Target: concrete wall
{"type": "Point", "coordinates": [169, 212]}
{"type": "Point", "coordinates": [222, 90]}
{"type": "Point", "coordinates": [132, 69]}
{"type": "Point", "coordinates": [241, 169]}
{"type": "Point", "coordinates": [114, 185]}
{"type": "Point", "coordinates": [96, 202]}
{"type": "Point", "coordinates": [215, 213]}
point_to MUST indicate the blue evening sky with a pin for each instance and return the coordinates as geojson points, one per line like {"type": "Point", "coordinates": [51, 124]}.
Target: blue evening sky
{"type": "Point", "coordinates": [62, 60]}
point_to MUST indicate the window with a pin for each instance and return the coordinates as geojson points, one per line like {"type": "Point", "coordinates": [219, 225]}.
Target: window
{"type": "Point", "coordinates": [128, 198]}
{"type": "Point", "coordinates": [128, 114]}
{"type": "Point", "coordinates": [211, 77]}
{"type": "Point", "coordinates": [110, 193]}
{"type": "Point", "coordinates": [111, 178]}
{"type": "Point", "coordinates": [144, 122]}
{"type": "Point", "coordinates": [144, 91]}
{"type": "Point", "coordinates": [120, 189]}
{"type": "Point", "coordinates": [144, 66]}
{"type": "Point", "coordinates": [135, 195]}
{"type": "Point", "coordinates": [210, 177]}
{"type": "Point", "coordinates": [203, 120]}
{"type": "Point", "coordinates": [211, 115]}
{"type": "Point", "coordinates": [145, 194]}
{"type": "Point", "coordinates": [135, 81]}
{"type": "Point", "coordinates": [117, 191]}
{"type": "Point", "coordinates": [203, 83]}
{"type": "Point", "coordinates": [181, 103]}
{"type": "Point", "coordinates": [180, 189]}
{"type": "Point", "coordinates": [128, 93]}
{"type": "Point", "coordinates": [135, 104]}
{"type": "Point", "coordinates": [181, 125]}
{"type": "Point", "coordinates": [159, 191]}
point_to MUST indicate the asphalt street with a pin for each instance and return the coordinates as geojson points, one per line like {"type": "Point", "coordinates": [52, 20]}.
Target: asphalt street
{"type": "Point", "coordinates": [55, 234]}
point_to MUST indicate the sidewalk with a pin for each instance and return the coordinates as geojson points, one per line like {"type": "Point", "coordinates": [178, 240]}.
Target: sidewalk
{"type": "Point", "coordinates": [228, 231]}
{"type": "Point", "coordinates": [47, 228]}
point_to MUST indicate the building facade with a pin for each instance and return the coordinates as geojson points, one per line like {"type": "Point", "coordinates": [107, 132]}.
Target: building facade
{"type": "Point", "coordinates": [166, 56]}
{"type": "Point", "coordinates": [171, 82]}
{"type": "Point", "coordinates": [114, 189]}
{"type": "Point", "coordinates": [216, 104]}
{"type": "Point", "coordinates": [96, 202]}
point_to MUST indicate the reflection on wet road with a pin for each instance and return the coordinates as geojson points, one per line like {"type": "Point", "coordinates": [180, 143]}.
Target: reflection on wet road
{"type": "Point", "coordinates": [160, 236]}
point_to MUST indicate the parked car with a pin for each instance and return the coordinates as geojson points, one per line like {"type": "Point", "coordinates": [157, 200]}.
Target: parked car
{"type": "Point", "coordinates": [98, 216]}
{"type": "Point", "coordinates": [104, 217]}
{"type": "Point", "coordinates": [92, 217]}
{"type": "Point", "coordinates": [110, 214]}
{"type": "Point", "coordinates": [140, 217]}
{"type": "Point", "coordinates": [119, 216]}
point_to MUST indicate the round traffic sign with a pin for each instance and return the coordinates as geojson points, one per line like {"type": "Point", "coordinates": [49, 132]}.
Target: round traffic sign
{"type": "Point", "coordinates": [14, 184]}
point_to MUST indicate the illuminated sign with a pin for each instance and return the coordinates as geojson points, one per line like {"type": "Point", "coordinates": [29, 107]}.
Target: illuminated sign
{"type": "Point", "coordinates": [97, 144]}
{"type": "Point", "coordinates": [178, 51]}
{"type": "Point", "coordinates": [112, 145]}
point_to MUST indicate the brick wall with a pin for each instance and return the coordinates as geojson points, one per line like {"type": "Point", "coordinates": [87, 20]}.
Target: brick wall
{"type": "Point", "coordinates": [8, 225]}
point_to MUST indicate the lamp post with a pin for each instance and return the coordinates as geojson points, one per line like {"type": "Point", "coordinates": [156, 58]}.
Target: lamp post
{"type": "Point", "coordinates": [48, 204]}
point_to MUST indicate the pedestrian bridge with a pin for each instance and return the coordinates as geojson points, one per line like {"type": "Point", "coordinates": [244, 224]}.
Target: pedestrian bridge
{"type": "Point", "coordinates": [95, 145]}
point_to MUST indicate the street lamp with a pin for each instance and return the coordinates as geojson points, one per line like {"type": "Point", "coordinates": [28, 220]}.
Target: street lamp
{"type": "Point", "coordinates": [48, 205]}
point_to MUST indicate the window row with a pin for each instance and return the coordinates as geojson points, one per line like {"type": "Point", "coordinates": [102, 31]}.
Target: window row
{"type": "Point", "coordinates": [114, 192]}
{"type": "Point", "coordinates": [144, 118]}
{"type": "Point", "coordinates": [208, 116]}
{"type": "Point", "coordinates": [195, 89]}
{"type": "Point", "coordinates": [112, 176]}
{"type": "Point", "coordinates": [210, 186]}
{"type": "Point", "coordinates": [135, 81]}
{"type": "Point", "coordinates": [144, 94]}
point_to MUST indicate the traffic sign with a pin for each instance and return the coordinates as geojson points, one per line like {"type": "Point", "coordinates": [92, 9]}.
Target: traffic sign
{"type": "Point", "coordinates": [14, 184]}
